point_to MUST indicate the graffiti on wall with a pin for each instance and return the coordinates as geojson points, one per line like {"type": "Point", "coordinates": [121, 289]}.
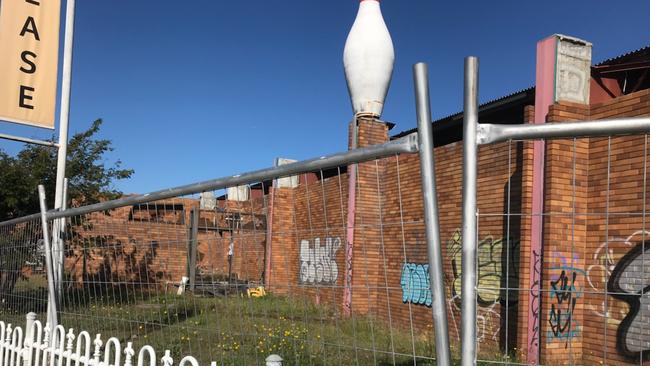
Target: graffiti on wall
{"type": "Point", "coordinates": [317, 262]}
{"type": "Point", "coordinates": [605, 258]}
{"type": "Point", "coordinates": [565, 291]}
{"type": "Point", "coordinates": [494, 273]}
{"type": "Point", "coordinates": [534, 304]}
{"type": "Point", "coordinates": [629, 282]}
{"type": "Point", "coordinates": [415, 284]}
{"type": "Point", "coordinates": [498, 269]}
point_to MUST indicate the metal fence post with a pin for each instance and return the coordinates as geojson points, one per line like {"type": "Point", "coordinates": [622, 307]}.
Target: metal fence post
{"type": "Point", "coordinates": [58, 243]}
{"type": "Point", "coordinates": [29, 339]}
{"type": "Point", "coordinates": [62, 154]}
{"type": "Point", "coordinates": [469, 231]}
{"type": "Point", "coordinates": [429, 192]}
{"type": "Point", "coordinates": [52, 310]}
{"type": "Point", "coordinates": [193, 243]}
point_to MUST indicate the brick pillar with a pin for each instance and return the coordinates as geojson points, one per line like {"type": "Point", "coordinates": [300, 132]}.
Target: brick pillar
{"type": "Point", "coordinates": [283, 243]}
{"type": "Point", "coordinates": [565, 237]}
{"type": "Point", "coordinates": [367, 261]}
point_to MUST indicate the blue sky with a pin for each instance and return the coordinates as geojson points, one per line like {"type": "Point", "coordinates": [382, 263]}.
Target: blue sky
{"type": "Point", "coordinates": [192, 90]}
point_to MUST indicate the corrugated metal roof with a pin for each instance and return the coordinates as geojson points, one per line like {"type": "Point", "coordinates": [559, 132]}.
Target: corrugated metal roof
{"type": "Point", "coordinates": [495, 101]}
{"type": "Point", "coordinates": [643, 51]}
{"type": "Point", "coordinates": [487, 106]}
{"type": "Point", "coordinates": [621, 58]}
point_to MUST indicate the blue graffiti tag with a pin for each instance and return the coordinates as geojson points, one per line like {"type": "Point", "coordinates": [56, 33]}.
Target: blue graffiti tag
{"type": "Point", "coordinates": [415, 284]}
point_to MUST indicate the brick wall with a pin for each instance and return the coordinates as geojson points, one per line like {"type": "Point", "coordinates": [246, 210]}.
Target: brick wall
{"type": "Point", "coordinates": [369, 278]}
{"type": "Point", "coordinates": [390, 253]}
{"type": "Point", "coordinates": [528, 302]}
{"type": "Point", "coordinates": [593, 232]}
{"type": "Point", "coordinates": [616, 185]}
{"type": "Point", "coordinates": [564, 233]}
{"type": "Point", "coordinates": [390, 249]}
{"type": "Point", "coordinates": [145, 248]}
{"type": "Point", "coordinates": [593, 228]}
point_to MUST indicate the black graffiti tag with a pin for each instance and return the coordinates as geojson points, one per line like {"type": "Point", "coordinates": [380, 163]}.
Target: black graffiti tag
{"type": "Point", "coordinates": [534, 302]}
{"type": "Point", "coordinates": [561, 314]}
{"type": "Point", "coordinates": [630, 282]}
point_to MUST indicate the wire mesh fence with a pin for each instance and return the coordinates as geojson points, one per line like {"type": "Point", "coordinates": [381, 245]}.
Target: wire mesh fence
{"type": "Point", "coordinates": [236, 274]}
{"type": "Point", "coordinates": [590, 305]}
{"type": "Point", "coordinates": [329, 263]}
{"type": "Point", "coordinates": [239, 273]}
{"type": "Point", "coordinates": [241, 285]}
{"type": "Point", "coordinates": [23, 285]}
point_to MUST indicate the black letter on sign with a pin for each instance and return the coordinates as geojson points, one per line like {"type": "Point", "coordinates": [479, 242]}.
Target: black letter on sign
{"type": "Point", "coordinates": [23, 96]}
{"type": "Point", "coordinates": [32, 65]}
{"type": "Point", "coordinates": [30, 26]}
{"type": "Point", "coordinates": [33, 2]}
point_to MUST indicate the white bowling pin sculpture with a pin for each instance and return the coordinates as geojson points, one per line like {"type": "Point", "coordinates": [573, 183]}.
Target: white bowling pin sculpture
{"type": "Point", "coordinates": [368, 60]}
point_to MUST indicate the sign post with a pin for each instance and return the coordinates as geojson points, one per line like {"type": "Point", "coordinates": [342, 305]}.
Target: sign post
{"type": "Point", "coordinates": [29, 45]}
{"type": "Point", "coordinates": [63, 141]}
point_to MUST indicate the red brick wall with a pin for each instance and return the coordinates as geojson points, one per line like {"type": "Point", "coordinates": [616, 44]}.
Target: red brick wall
{"type": "Point", "coordinates": [406, 244]}
{"type": "Point", "coordinates": [565, 206]}
{"type": "Point", "coordinates": [367, 262]}
{"type": "Point", "coordinates": [121, 251]}
{"type": "Point", "coordinates": [390, 250]}
{"type": "Point", "coordinates": [249, 240]}
{"type": "Point", "coordinates": [284, 246]}
{"type": "Point", "coordinates": [390, 233]}
{"type": "Point", "coordinates": [117, 248]}
{"type": "Point", "coordinates": [594, 218]}
{"type": "Point", "coordinates": [618, 190]}
{"type": "Point", "coordinates": [527, 302]}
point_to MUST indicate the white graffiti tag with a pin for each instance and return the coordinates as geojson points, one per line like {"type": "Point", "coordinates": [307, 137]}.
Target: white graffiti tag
{"type": "Point", "coordinates": [605, 258]}
{"type": "Point", "coordinates": [317, 263]}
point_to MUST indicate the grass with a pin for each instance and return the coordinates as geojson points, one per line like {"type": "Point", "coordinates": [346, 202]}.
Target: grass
{"type": "Point", "coordinates": [242, 331]}
{"type": "Point", "coordinates": [237, 330]}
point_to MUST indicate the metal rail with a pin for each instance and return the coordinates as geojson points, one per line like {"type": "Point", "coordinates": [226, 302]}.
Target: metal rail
{"type": "Point", "coordinates": [407, 144]}
{"type": "Point", "coordinates": [474, 135]}
{"type": "Point", "coordinates": [492, 133]}
{"type": "Point", "coordinates": [28, 140]}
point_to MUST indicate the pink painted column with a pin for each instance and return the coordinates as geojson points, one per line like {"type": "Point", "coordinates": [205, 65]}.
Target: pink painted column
{"type": "Point", "coordinates": [544, 97]}
{"type": "Point", "coordinates": [349, 241]}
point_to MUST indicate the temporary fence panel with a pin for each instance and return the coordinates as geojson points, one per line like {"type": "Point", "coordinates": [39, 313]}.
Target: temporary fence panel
{"type": "Point", "coordinates": [341, 259]}
{"type": "Point", "coordinates": [580, 296]}
{"type": "Point", "coordinates": [265, 274]}
{"type": "Point", "coordinates": [23, 283]}
{"type": "Point", "coordinates": [264, 264]}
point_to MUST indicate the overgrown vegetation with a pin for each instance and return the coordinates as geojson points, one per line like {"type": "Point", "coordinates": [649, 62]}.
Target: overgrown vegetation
{"type": "Point", "coordinates": [90, 178]}
{"type": "Point", "coordinates": [237, 330]}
